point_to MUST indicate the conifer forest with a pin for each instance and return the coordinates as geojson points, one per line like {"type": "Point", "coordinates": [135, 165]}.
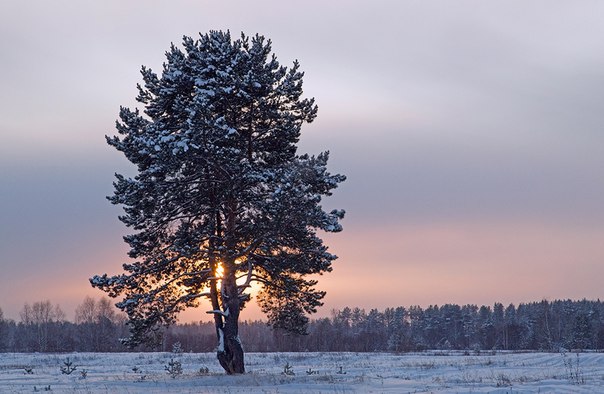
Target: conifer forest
{"type": "Point", "coordinates": [536, 326]}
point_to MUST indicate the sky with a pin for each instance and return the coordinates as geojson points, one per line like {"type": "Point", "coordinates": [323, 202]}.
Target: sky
{"type": "Point", "coordinates": [470, 133]}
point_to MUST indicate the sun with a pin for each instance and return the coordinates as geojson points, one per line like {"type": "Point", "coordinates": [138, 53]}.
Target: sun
{"type": "Point", "coordinates": [219, 271]}
{"type": "Point", "coordinates": [253, 288]}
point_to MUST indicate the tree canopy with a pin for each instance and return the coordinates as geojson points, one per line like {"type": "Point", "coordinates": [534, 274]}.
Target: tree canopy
{"type": "Point", "coordinates": [221, 197]}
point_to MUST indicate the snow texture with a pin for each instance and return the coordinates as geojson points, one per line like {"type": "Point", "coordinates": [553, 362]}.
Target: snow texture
{"type": "Point", "coordinates": [221, 340]}
{"type": "Point", "coordinates": [433, 372]}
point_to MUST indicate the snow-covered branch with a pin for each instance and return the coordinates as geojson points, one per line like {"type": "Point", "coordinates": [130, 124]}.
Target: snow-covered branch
{"type": "Point", "coordinates": [219, 312]}
{"type": "Point", "coordinates": [250, 272]}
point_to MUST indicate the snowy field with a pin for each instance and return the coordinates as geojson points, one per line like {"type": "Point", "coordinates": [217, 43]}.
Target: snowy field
{"type": "Point", "coordinates": [431, 372]}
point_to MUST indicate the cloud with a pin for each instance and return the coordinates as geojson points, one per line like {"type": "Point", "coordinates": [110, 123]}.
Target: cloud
{"type": "Point", "coordinates": [441, 114]}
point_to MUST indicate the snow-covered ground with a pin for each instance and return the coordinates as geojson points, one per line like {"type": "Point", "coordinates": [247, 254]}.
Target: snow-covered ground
{"type": "Point", "coordinates": [431, 372]}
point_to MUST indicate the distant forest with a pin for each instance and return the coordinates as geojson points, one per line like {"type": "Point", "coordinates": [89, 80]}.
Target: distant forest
{"type": "Point", "coordinates": [545, 326]}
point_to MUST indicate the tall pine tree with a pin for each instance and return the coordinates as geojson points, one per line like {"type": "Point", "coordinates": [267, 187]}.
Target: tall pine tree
{"type": "Point", "coordinates": [221, 198]}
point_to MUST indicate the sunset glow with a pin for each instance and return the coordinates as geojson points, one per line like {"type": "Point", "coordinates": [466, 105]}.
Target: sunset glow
{"type": "Point", "coordinates": [470, 133]}
{"type": "Point", "coordinates": [219, 272]}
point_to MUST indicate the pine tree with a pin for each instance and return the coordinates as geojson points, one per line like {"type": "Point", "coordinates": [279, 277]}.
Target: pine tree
{"type": "Point", "coordinates": [397, 330]}
{"type": "Point", "coordinates": [3, 332]}
{"type": "Point", "coordinates": [221, 198]}
{"type": "Point", "coordinates": [582, 335]}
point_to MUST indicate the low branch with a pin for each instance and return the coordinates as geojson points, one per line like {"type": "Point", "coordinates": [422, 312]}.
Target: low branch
{"type": "Point", "coordinates": [250, 273]}
{"type": "Point", "coordinates": [219, 312]}
{"type": "Point", "coordinates": [248, 250]}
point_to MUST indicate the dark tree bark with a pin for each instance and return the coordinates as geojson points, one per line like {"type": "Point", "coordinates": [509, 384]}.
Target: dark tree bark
{"type": "Point", "coordinates": [230, 350]}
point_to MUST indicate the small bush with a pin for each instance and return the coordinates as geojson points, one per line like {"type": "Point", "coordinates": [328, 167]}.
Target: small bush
{"type": "Point", "coordinates": [288, 370]}
{"type": "Point", "coordinates": [174, 368]}
{"type": "Point", "coordinates": [204, 370]}
{"type": "Point", "coordinates": [177, 348]}
{"type": "Point", "coordinates": [574, 372]}
{"type": "Point", "coordinates": [68, 367]}
{"type": "Point", "coordinates": [310, 371]}
{"type": "Point", "coordinates": [503, 380]}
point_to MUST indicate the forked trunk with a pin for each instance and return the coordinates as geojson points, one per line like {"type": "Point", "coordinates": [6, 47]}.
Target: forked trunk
{"type": "Point", "coordinates": [230, 351]}
{"type": "Point", "coordinates": [230, 355]}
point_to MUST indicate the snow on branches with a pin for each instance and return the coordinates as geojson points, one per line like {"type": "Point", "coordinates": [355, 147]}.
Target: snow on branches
{"type": "Point", "coordinates": [220, 186]}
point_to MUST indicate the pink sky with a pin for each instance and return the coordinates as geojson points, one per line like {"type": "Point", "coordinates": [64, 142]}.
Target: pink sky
{"type": "Point", "coordinates": [471, 135]}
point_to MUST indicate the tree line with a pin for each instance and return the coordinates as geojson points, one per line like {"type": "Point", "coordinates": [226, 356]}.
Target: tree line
{"type": "Point", "coordinates": [43, 327]}
{"type": "Point", "coordinates": [545, 326]}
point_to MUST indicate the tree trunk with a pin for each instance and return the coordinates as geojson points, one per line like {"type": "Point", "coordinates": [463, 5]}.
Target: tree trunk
{"type": "Point", "coordinates": [231, 357]}
{"type": "Point", "coordinates": [230, 351]}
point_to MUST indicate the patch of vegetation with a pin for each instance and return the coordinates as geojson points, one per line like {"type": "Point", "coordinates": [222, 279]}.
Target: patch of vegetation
{"type": "Point", "coordinates": [174, 368]}
{"type": "Point", "coordinates": [288, 370]}
{"type": "Point", "coordinates": [574, 372]}
{"type": "Point", "coordinates": [311, 371]}
{"type": "Point", "coordinates": [502, 380]}
{"type": "Point", "coordinates": [68, 367]}
{"type": "Point", "coordinates": [204, 370]}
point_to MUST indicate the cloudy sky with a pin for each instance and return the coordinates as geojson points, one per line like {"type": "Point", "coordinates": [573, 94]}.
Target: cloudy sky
{"type": "Point", "coordinates": [470, 132]}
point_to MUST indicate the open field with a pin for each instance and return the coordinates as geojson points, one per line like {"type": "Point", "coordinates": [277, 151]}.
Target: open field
{"type": "Point", "coordinates": [430, 372]}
